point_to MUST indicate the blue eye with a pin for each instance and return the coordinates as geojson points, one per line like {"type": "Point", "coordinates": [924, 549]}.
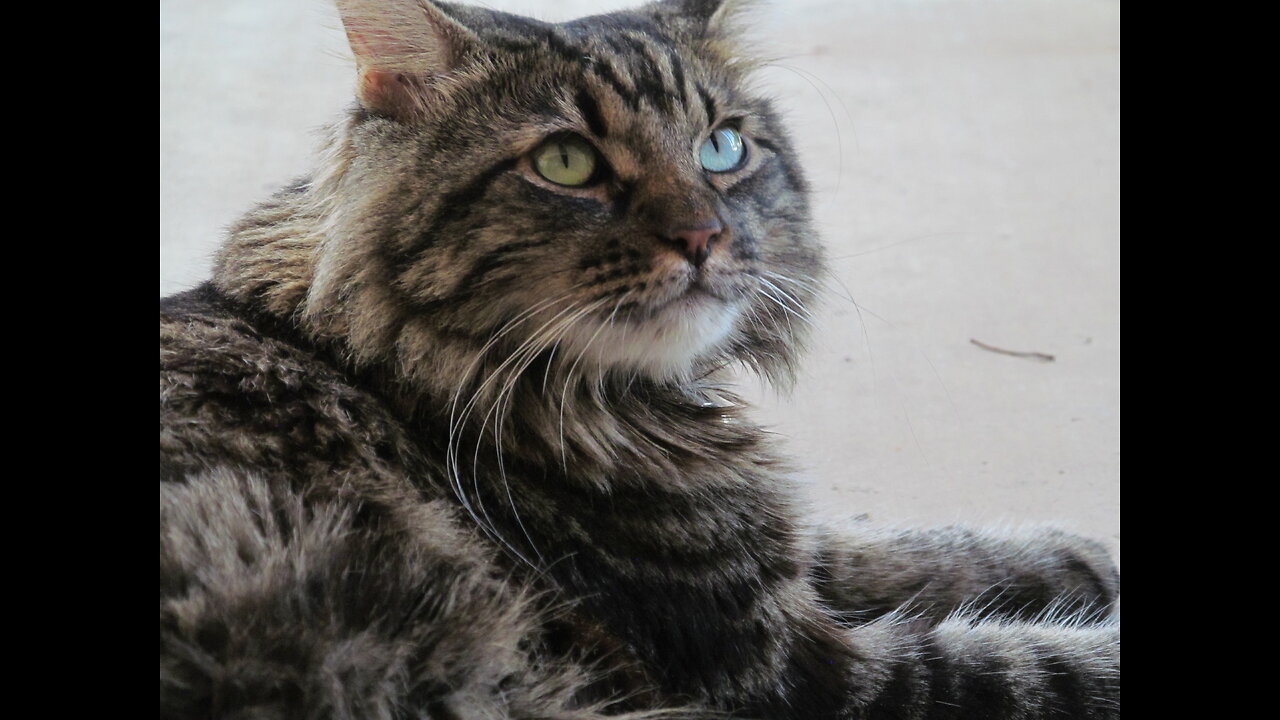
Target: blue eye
{"type": "Point", "coordinates": [724, 151]}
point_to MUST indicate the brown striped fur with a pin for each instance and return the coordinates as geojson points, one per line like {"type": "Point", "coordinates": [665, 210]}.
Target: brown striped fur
{"type": "Point", "coordinates": [442, 439]}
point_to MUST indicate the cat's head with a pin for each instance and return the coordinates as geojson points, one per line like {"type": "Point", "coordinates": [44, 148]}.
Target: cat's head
{"type": "Point", "coordinates": [608, 193]}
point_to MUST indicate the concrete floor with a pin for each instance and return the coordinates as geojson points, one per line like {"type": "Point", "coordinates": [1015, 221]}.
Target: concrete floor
{"type": "Point", "coordinates": [966, 157]}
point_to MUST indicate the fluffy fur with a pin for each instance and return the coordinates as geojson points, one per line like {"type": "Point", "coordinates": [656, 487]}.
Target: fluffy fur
{"type": "Point", "coordinates": [444, 439]}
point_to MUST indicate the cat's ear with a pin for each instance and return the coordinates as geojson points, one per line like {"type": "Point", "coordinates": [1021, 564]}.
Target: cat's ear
{"type": "Point", "coordinates": [402, 49]}
{"type": "Point", "coordinates": [709, 18]}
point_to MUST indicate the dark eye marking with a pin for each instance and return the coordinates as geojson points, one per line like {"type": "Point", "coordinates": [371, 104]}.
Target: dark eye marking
{"type": "Point", "coordinates": [590, 110]}
{"type": "Point", "coordinates": [453, 207]}
{"type": "Point", "coordinates": [709, 105]}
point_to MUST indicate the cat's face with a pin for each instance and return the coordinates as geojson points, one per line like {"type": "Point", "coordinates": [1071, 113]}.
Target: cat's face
{"type": "Point", "coordinates": [607, 189]}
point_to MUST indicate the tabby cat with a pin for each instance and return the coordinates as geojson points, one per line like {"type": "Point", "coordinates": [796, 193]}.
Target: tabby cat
{"type": "Point", "coordinates": [445, 435]}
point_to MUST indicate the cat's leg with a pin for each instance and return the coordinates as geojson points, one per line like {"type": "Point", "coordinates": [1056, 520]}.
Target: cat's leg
{"type": "Point", "coordinates": [276, 606]}
{"type": "Point", "coordinates": [863, 573]}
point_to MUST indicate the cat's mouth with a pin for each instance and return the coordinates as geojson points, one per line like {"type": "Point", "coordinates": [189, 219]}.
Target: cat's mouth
{"type": "Point", "coordinates": [699, 291]}
{"type": "Point", "coordinates": [660, 336]}
{"type": "Point", "coordinates": [699, 295]}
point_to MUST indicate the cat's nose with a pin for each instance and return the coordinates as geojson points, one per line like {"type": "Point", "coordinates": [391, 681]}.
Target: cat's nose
{"type": "Point", "coordinates": [695, 242]}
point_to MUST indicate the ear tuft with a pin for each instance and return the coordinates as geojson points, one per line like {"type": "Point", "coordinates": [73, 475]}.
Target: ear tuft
{"type": "Point", "coordinates": [401, 47]}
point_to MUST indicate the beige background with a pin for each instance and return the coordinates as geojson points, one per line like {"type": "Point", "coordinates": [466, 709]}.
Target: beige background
{"type": "Point", "coordinates": [966, 158]}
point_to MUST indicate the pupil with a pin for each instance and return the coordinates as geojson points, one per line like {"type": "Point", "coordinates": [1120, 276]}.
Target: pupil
{"type": "Point", "coordinates": [564, 156]}
{"type": "Point", "coordinates": [715, 143]}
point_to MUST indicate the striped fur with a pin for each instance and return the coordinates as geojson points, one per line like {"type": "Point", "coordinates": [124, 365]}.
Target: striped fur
{"type": "Point", "coordinates": [442, 439]}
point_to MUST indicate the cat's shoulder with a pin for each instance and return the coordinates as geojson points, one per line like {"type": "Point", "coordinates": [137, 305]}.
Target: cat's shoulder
{"type": "Point", "coordinates": [204, 334]}
{"type": "Point", "coordinates": [214, 353]}
{"type": "Point", "coordinates": [250, 391]}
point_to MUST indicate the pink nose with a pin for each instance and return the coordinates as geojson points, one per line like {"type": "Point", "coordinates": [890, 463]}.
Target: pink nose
{"type": "Point", "coordinates": [696, 242]}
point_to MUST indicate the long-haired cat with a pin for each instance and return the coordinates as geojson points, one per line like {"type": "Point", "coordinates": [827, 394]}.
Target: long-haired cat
{"type": "Point", "coordinates": [445, 435]}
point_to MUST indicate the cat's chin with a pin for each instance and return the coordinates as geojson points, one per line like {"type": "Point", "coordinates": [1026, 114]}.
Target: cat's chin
{"type": "Point", "coordinates": [663, 345]}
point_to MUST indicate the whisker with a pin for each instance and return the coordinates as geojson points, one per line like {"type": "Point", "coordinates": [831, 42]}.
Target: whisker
{"type": "Point", "coordinates": [569, 376]}
{"type": "Point", "coordinates": [799, 312]}
{"type": "Point", "coordinates": [518, 361]}
{"type": "Point", "coordinates": [458, 419]}
{"type": "Point", "coordinates": [806, 75]}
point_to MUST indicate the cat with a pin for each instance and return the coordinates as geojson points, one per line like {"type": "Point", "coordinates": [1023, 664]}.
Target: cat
{"type": "Point", "coordinates": [447, 436]}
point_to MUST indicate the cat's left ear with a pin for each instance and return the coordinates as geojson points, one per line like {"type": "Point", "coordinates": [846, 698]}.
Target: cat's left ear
{"type": "Point", "coordinates": [402, 49]}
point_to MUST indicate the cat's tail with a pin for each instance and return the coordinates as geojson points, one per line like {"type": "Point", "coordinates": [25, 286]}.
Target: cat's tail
{"type": "Point", "coordinates": [272, 606]}
{"type": "Point", "coordinates": [968, 667]}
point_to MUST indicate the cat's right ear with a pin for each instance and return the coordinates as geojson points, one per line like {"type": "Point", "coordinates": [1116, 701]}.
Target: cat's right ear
{"type": "Point", "coordinates": [709, 18]}
{"type": "Point", "coordinates": [403, 48]}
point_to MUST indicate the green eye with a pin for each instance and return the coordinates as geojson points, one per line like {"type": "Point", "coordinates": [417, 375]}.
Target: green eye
{"type": "Point", "coordinates": [566, 160]}
{"type": "Point", "coordinates": [724, 151]}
